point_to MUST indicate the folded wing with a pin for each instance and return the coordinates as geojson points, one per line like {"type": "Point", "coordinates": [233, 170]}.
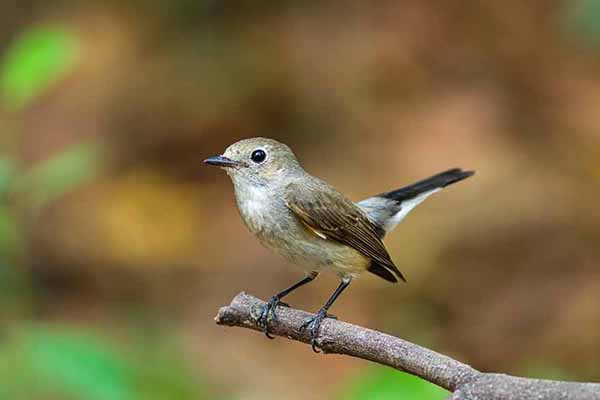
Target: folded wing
{"type": "Point", "coordinates": [330, 214]}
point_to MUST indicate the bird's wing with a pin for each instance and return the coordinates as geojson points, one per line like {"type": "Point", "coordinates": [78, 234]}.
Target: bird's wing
{"type": "Point", "coordinates": [331, 215]}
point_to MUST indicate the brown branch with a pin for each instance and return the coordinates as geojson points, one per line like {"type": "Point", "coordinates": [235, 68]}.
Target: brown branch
{"type": "Point", "coordinates": [464, 381]}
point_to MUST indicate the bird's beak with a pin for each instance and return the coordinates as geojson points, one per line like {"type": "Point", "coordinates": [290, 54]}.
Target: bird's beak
{"type": "Point", "coordinates": [222, 161]}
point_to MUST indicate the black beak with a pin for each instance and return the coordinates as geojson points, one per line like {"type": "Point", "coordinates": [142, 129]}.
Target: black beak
{"type": "Point", "coordinates": [222, 161]}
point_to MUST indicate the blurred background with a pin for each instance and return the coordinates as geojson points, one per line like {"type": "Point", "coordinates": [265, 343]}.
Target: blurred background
{"type": "Point", "coordinates": [117, 245]}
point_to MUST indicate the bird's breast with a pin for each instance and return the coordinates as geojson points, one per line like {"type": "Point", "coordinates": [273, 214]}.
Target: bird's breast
{"type": "Point", "coordinates": [260, 209]}
{"type": "Point", "coordinates": [267, 216]}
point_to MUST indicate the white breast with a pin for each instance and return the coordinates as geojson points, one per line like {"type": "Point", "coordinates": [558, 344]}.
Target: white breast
{"type": "Point", "coordinates": [254, 202]}
{"type": "Point", "coordinates": [257, 207]}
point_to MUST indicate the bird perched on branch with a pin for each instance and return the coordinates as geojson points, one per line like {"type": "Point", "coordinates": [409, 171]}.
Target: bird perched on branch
{"type": "Point", "coordinates": [313, 225]}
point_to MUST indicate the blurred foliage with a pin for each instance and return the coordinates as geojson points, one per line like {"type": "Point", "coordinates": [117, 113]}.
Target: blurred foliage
{"type": "Point", "coordinates": [543, 369]}
{"type": "Point", "coordinates": [42, 362]}
{"type": "Point", "coordinates": [35, 61]}
{"type": "Point", "coordinates": [7, 175]}
{"type": "Point", "coordinates": [8, 226]}
{"type": "Point", "coordinates": [12, 291]}
{"type": "Point", "coordinates": [52, 178]}
{"type": "Point", "coordinates": [15, 293]}
{"type": "Point", "coordinates": [388, 384]}
{"type": "Point", "coordinates": [102, 173]}
{"type": "Point", "coordinates": [586, 18]}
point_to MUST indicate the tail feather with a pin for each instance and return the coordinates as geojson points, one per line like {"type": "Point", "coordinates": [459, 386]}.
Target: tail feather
{"type": "Point", "coordinates": [385, 272]}
{"type": "Point", "coordinates": [387, 209]}
{"type": "Point", "coordinates": [440, 180]}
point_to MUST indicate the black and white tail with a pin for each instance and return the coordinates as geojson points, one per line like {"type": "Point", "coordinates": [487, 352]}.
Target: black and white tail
{"type": "Point", "coordinates": [387, 209]}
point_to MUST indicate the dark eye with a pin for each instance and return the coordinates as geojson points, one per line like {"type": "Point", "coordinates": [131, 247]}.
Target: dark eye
{"type": "Point", "coordinates": [258, 156]}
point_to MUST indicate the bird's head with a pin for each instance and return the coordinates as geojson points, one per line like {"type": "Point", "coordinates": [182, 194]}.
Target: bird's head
{"type": "Point", "coordinates": [257, 161]}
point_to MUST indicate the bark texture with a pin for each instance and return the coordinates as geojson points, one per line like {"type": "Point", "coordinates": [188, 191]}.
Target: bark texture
{"type": "Point", "coordinates": [465, 382]}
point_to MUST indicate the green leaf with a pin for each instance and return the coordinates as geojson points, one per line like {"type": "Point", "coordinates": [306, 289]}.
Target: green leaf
{"type": "Point", "coordinates": [79, 363]}
{"type": "Point", "coordinates": [55, 362]}
{"type": "Point", "coordinates": [584, 19]}
{"type": "Point", "coordinates": [161, 376]}
{"type": "Point", "coordinates": [41, 361]}
{"type": "Point", "coordinates": [50, 179]}
{"type": "Point", "coordinates": [388, 384]}
{"type": "Point", "coordinates": [37, 59]}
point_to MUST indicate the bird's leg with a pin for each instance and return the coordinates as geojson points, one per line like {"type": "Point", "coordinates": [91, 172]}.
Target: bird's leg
{"type": "Point", "coordinates": [267, 311]}
{"type": "Point", "coordinates": [315, 322]}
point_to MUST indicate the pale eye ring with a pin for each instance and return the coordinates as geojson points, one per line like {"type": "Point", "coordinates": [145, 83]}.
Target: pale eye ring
{"type": "Point", "coordinates": [258, 156]}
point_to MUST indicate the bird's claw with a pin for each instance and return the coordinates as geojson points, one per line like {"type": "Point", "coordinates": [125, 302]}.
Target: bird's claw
{"type": "Point", "coordinates": [314, 323]}
{"type": "Point", "coordinates": [267, 314]}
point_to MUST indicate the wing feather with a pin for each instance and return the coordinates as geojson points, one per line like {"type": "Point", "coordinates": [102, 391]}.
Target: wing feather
{"type": "Point", "coordinates": [329, 213]}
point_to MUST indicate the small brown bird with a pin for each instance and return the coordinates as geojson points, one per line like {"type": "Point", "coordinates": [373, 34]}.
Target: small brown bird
{"type": "Point", "coordinates": [313, 225]}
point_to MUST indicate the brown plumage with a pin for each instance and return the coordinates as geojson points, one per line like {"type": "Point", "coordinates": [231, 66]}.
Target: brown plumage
{"type": "Point", "coordinates": [333, 215]}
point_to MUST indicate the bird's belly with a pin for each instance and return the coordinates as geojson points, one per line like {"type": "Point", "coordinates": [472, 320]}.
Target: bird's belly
{"type": "Point", "coordinates": [278, 229]}
{"type": "Point", "coordinates": [307, 250]}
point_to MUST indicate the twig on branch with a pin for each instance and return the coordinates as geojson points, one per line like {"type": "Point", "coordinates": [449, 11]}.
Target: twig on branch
{"type": "Point", "coordinates": [465, 382]}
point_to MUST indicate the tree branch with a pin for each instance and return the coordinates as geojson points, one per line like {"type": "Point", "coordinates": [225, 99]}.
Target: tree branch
{"type": "Point", "coordinates": [465, 382]}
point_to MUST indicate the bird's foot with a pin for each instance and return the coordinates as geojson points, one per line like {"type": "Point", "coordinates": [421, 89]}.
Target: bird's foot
{"type": "Point", "coordinates": [314, 323]}
{"type": "Point", "coordinates": [268, 314]}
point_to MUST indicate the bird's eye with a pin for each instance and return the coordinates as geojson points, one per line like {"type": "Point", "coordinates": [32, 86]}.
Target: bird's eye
{"type": "Point", "coordinates": [258, 156]}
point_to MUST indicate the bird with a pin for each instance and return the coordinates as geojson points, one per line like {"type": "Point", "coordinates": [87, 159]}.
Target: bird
{"type": "Point", "coordinates": [310, 223]}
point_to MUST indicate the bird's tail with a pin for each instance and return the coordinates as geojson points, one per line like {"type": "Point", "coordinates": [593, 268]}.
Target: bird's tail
{"type": "Point", "coordinates": [438, 181]}
{"type": "Point", "coordinates": [387, 209]}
